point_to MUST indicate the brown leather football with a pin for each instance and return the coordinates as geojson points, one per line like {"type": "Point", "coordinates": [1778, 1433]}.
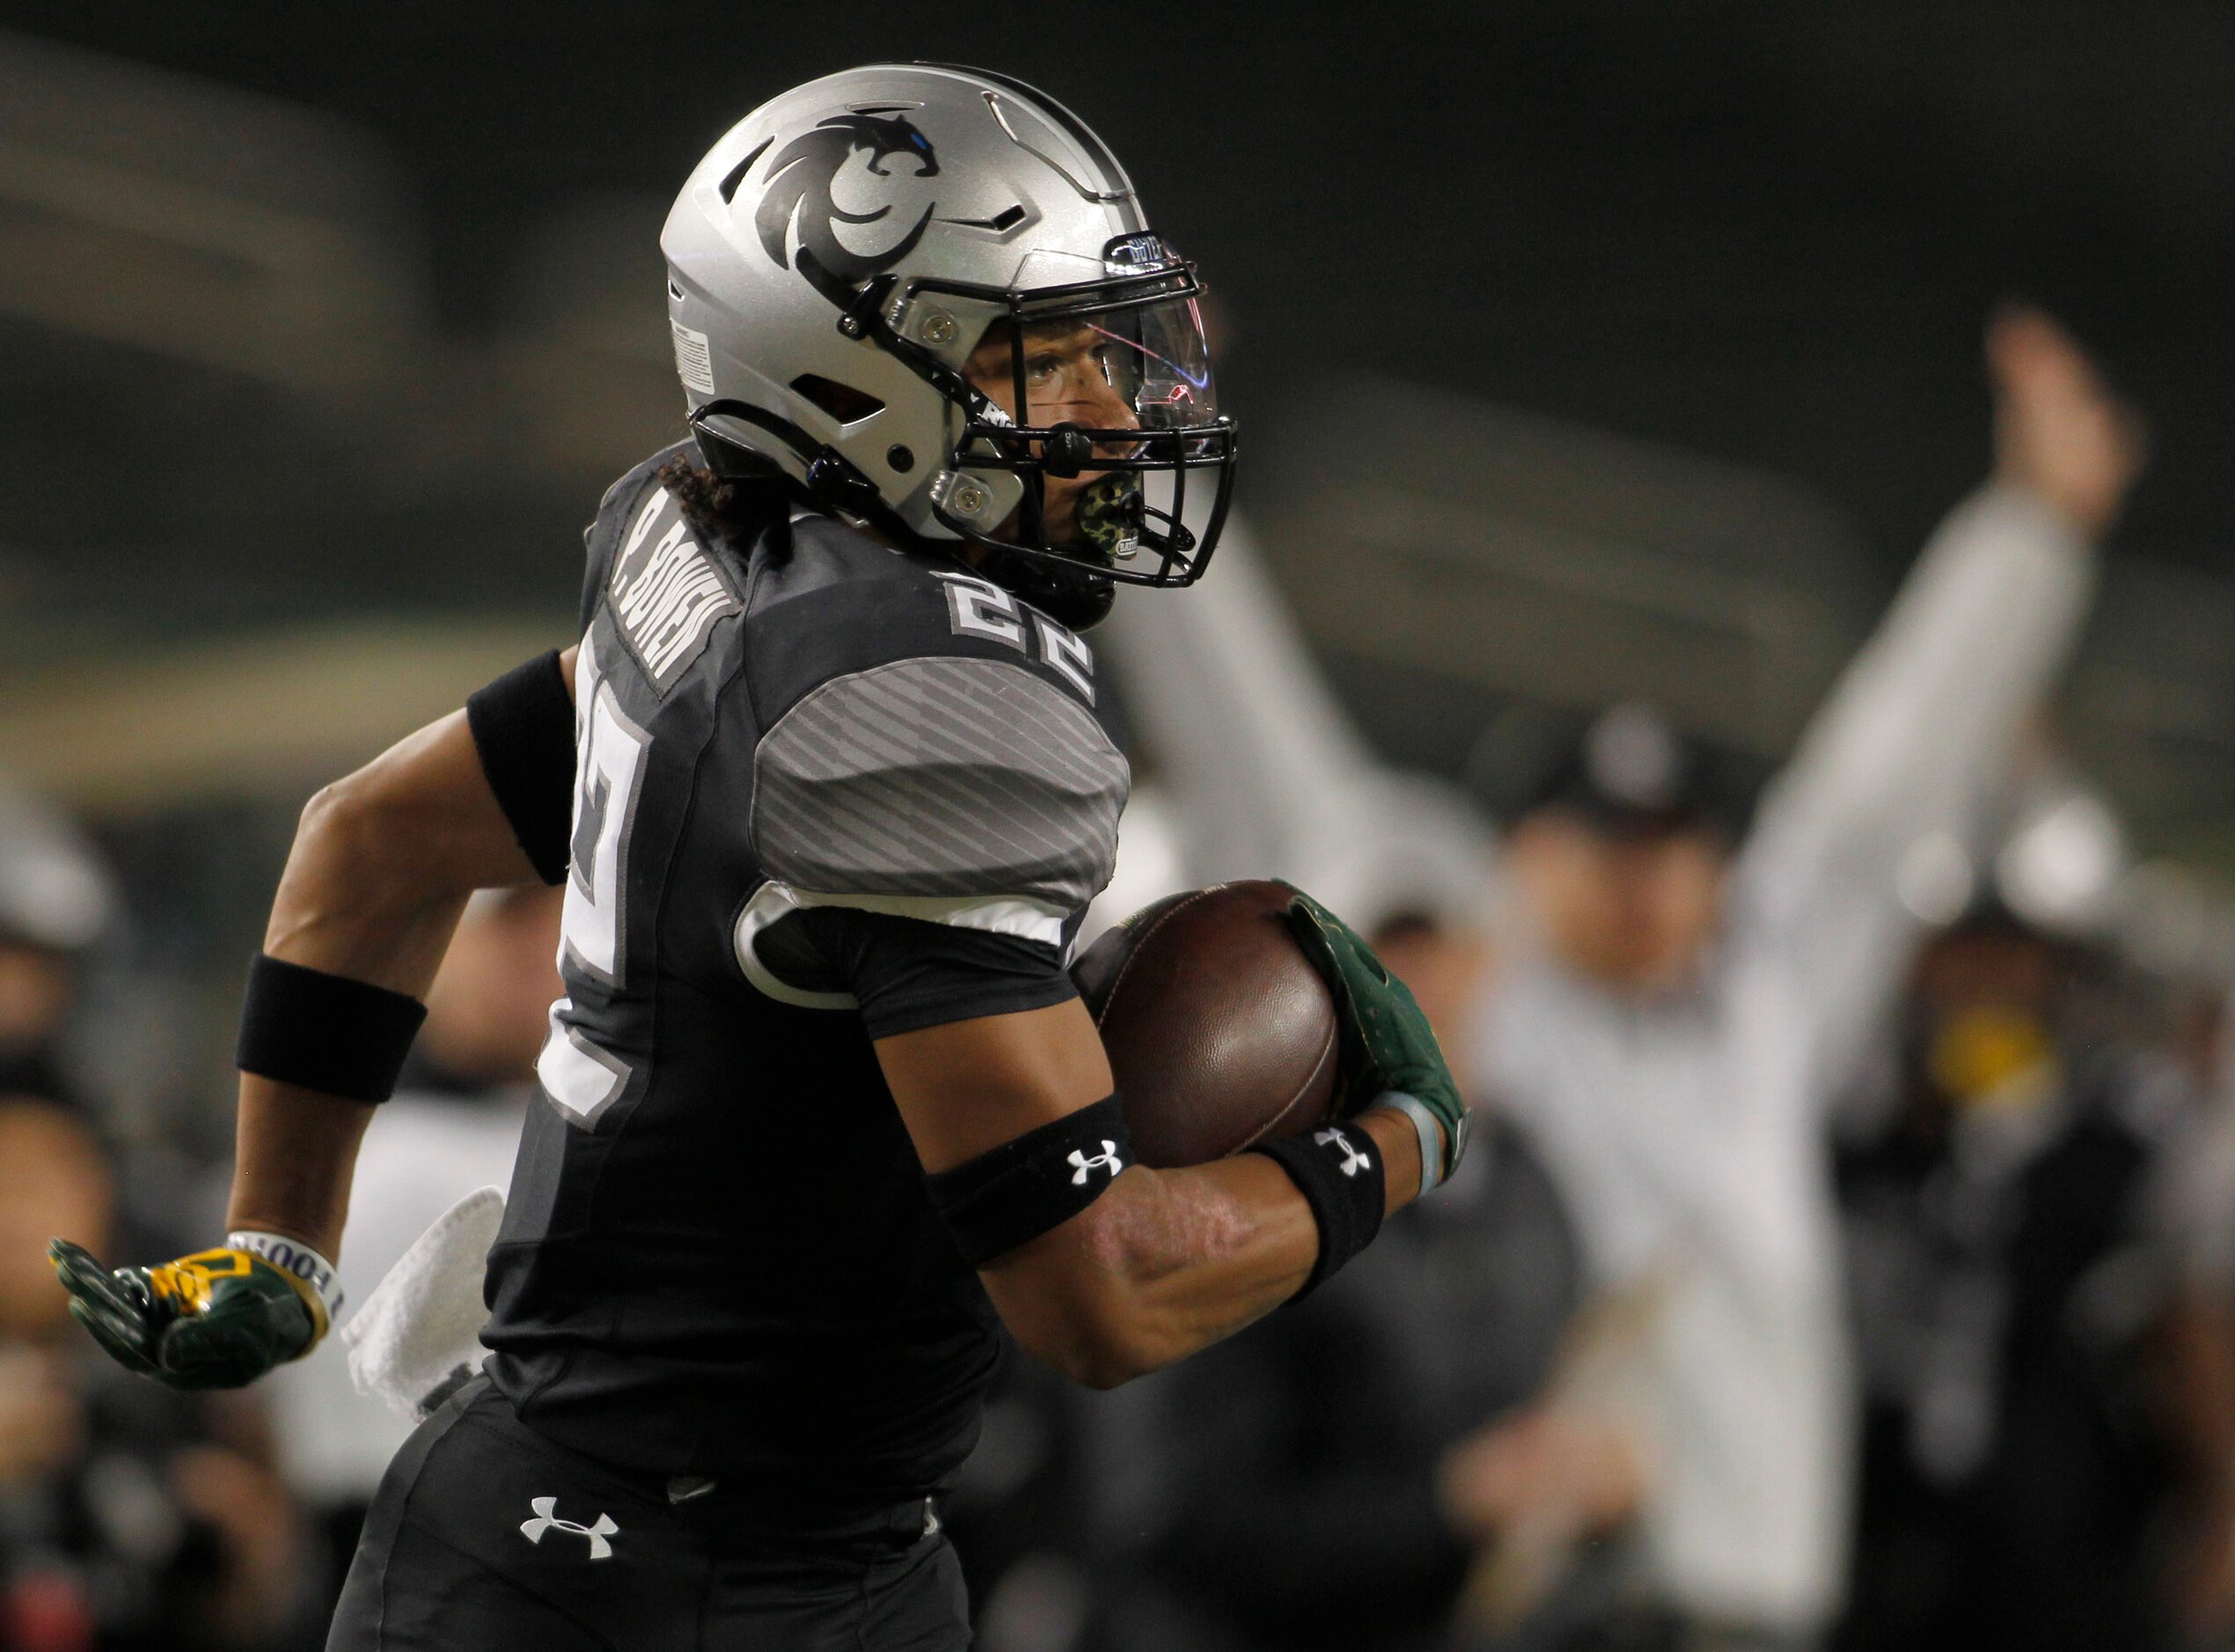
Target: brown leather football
{"type": "Point", "coordinates": [1219, 1029]}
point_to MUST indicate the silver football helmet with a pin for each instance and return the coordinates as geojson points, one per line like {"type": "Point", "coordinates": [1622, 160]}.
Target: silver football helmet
{"type": "Point", "coordinates": [855, 264]}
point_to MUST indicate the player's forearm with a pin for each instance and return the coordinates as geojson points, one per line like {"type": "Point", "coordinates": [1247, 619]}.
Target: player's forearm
{"type": "Point", "coordinates": [1199, 1252]}
{"type": "Point", "coordinates": [295, 1152]}
{"type": "Point", "coordinates": [1169, 1262]}
{"type": "Point", "coordinates": [1230, 1243]}
{"type": "Point", "coordinates": [382, 866]}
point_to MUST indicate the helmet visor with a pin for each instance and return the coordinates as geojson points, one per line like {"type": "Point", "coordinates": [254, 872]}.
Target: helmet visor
{"type": "Point", "coordinates": [1141, 366]}
{"type": "Point", "coordinates": [1158, 361]}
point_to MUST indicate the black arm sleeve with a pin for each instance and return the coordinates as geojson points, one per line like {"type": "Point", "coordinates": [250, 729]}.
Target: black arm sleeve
{"type": "Point", "coordinates": [907, 974]}
{"type": "Point", "coordinates": [524, 728]}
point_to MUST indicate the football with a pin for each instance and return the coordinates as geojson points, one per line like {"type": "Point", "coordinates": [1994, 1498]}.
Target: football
{"type": "Point", "coordinates": [1220, 1031]}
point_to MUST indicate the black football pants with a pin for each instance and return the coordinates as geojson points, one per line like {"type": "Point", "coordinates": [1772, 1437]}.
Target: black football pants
{"type": "Point", "coordinates": [486, 1537]}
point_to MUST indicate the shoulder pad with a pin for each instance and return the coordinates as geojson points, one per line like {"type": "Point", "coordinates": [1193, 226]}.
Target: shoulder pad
{"type": "Point", "coordinates": [948, 782]}
{"type": "Point", "coordinates": [933, 744]}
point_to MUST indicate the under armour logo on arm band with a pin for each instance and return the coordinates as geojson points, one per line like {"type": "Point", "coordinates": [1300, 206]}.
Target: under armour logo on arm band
{"type": "Point", "coordinates": [1105, 1160]}
{"type": "Point", "coordinates": [1339, 1174]}
{"type": "Point", "coordinates": [1019, 1190]}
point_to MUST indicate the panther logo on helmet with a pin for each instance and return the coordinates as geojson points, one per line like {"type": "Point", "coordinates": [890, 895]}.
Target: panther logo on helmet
{"type": "Point", "coordinates": [799, 190]}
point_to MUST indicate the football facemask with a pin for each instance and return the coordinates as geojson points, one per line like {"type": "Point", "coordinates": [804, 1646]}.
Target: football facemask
{"type": "Point", "coordinates": [1118, 410]}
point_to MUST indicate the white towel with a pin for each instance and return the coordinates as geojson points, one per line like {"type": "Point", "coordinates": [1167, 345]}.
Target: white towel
{"type": "Point", "coordinates": [419, 1333]}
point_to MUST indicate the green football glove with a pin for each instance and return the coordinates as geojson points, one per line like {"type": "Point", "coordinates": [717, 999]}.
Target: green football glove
{"type": "Point", "coordinates": [1387, 1042]}
{"type": "Point", "coordinates": [214, 1319]}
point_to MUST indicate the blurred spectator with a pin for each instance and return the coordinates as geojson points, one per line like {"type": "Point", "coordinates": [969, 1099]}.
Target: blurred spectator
{"type": "Point", "coordinates": [2047, 1458]}
{"type": "Point", "coordinates": [55, 901]}
{"type": "Point", "coordinates": [122, 1526]}
{"type": "Point", "coordinates": [1339, 1469]}
{"type": "Point", "coordinates": [453, 1126]}
{"type": "Point", "coordinates": [1326, 1479]}
{"type": "Point", "coordinates": [1680, 1004]}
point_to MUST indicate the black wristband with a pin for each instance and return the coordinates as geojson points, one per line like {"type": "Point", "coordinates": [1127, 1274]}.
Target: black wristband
{"type": "Point", "coordinates": [326, 1033]}
{"type": "Point", "coordinates": [1017, 1191]}
{"type": "Point", "coordinates": [524, 728]}
{"type": "Point", "coordinates": [1337, 1168]}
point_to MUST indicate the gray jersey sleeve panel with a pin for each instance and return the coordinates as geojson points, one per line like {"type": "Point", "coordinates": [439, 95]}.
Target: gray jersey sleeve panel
{"type": "Point", "coordinates": [941, 777]}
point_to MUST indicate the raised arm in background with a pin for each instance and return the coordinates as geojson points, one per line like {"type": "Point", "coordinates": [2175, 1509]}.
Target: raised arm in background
{"type": "Point", "coordinates": [1918, 732]}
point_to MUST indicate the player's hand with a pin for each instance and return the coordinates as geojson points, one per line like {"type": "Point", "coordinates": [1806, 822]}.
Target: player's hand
{"type": "Point", "coordinates": [1387, 1042]}
{"type": "Point", "coordinates": [214, 1319]}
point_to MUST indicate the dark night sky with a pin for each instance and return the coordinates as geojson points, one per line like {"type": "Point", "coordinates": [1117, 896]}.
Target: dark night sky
{"type": "Point", "coordinates": [1766, 231]}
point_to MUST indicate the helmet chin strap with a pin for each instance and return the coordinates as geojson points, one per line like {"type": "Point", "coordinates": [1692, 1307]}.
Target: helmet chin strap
{"type": "Point", "coordinates": [830, 476]}
{"type": "Point", "coordinates": [1070, 593]}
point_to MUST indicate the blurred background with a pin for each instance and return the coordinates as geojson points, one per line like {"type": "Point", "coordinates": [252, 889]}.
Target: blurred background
{"type": "Point", "coordinates": [1597, 359]}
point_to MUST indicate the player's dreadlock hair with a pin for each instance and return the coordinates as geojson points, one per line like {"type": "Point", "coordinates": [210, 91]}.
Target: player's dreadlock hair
{"type": "Point", "coordinates": [725, 510]}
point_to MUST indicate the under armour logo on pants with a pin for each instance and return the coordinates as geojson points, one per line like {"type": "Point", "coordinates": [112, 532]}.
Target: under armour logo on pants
{"type": "Point", "coordinates": [546, 1521]}
{"type": "Point", "coordinates": [1106, 1160]}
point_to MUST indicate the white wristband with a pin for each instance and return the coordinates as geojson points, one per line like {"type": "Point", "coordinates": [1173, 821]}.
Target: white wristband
{"type": "Point", "coordinates": [1424, 1125]}
{"type": "Point", "coordinates": [300, 1263]}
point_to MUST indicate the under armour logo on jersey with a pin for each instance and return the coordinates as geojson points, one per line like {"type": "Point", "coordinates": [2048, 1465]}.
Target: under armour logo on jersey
{"type": "Point", "coordinates": [1353, 1161]}
{"type": "Point", "coordinates": [546, 1521]}
{"type": "Point", "coordinates": [1106, 1160]}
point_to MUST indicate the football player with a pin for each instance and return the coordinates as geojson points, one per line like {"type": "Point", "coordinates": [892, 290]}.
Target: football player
{"type": "Point", "coordinates": [830, 780]}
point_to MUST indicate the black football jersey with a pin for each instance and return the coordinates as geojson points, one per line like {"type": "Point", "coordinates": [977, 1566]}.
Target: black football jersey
{"type": "Point", "coordinates": [825, 791]}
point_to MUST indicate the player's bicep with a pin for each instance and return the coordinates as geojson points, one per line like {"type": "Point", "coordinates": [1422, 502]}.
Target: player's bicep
{"type": "Point", "coordinates": [981, 1035]}
{"type": "Point", "coordinates": [966, 1088]}
{"type": "Point", "coordinates": [383, 859]}
{"type": "Point", "coordinates": [423, 823]}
